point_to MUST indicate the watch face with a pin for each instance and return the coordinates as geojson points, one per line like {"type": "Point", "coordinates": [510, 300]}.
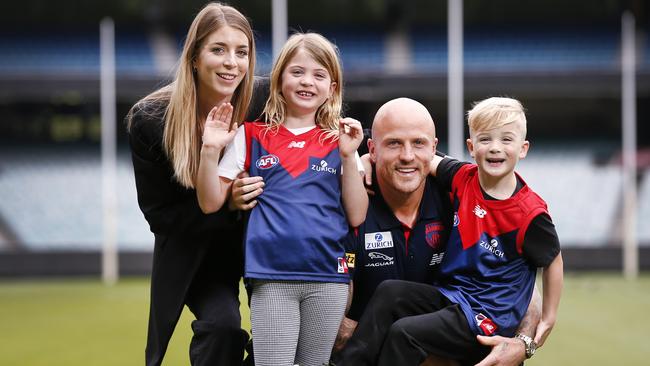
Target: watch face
{"type": "Point", "coordinates": [529, 343]}
{"type": "Point", "coordinates": [532, 347]}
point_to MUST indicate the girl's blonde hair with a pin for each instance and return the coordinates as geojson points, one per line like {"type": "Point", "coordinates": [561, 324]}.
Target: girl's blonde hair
{"type": "Point", "coordinates": [183, 128]}
{"type": "Point", "coordinates": [495, 112]}
{"type": "Point", "coordinates": [326, 54]}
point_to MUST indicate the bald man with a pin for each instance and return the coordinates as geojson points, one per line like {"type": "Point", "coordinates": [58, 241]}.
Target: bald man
{"type": "Point", "coordinates": [408, 221]}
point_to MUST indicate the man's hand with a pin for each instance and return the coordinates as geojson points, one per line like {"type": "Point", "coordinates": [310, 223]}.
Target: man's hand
{"type": "Point", "coordinates": [346, 329]}
{"type": "Point", "coordinates": [244, 191]}
{"type": "Point", "coordinates": [505, 351]}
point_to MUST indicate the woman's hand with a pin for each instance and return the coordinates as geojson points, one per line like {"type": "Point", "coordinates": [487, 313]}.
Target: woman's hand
{"type": "Point", "coordinates": [219, 129]}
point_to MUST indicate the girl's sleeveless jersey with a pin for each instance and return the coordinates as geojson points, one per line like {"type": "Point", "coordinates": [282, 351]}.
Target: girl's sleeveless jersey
{"type": "Point", "coordinates": [297, 228]}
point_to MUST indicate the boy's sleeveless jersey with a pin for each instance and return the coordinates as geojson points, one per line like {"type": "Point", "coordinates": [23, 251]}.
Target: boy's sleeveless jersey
{"type": "Point", "coordinates": [297, 229]}
{"type": "Point", "coordinates": [484, 270]}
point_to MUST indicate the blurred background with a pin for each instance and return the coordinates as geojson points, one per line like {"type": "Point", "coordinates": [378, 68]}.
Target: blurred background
{"type": "Point", "coordinates": [561, 58]}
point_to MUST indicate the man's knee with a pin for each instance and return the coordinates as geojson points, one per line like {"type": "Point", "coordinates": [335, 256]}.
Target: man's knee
{"type": "Point", "coordinates": [391, 290]}
{"type": "Point", "coordinates": [399, 331]}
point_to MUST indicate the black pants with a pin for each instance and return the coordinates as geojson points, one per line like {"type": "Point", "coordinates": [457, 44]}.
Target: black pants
{"type": "Point", "coordinates": [404, 323]}
{"type": "Point", "coordinates": [204, 274]}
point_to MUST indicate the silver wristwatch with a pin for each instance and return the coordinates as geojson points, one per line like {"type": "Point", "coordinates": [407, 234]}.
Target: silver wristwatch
{"type": "Point", "coordinates": [530, 344]}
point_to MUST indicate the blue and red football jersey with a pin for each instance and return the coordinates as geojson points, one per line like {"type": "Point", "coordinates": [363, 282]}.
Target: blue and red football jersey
{"type": "Point", "coordinates": [297, 229]}
{"type": "Point", "coordinates": [484, 270]}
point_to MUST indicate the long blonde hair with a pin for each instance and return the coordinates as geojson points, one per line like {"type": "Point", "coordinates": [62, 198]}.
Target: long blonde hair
{"type": "Point", "coordinates": [326, 54]}
{"type": "Point", "coordinates": [183, 127]}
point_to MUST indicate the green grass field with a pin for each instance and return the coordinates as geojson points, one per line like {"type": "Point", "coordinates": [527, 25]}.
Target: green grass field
{"type": "Point", "coordinates": [602, 321]}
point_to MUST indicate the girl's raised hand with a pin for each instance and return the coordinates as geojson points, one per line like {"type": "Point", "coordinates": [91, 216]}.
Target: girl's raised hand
{"type": "Point", "coordinates": [219, 129]}
{"type": "Point", "coordinates": [350, 136]}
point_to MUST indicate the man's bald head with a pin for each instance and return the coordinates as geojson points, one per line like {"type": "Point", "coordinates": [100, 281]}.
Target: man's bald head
{"type": "Point", "coordinates": [400, 113]}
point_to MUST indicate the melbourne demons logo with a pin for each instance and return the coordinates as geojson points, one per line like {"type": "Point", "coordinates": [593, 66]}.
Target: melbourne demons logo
{"type": "Point", "coordinates": [267, 161]}
{"type": "Point", "coordinates": [432, 234]}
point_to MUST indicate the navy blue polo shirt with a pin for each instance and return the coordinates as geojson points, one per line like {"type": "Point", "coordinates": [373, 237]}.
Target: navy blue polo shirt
{"type": "Point", "coordinates": [385, 248]}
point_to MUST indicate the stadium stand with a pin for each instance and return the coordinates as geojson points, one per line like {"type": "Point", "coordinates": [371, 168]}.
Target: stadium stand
{"type": "Point", "coordinates": [530, 49]}
{"type": "Point", "coordinates": [52, 200]}
{"type": "Point", "coordinates": [583, 198]}
{"type": "Point", "coordinates": [74, 53]}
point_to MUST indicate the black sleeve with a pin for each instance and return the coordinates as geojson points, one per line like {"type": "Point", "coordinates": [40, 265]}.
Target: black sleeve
{"type": "Point", "coordinates": [168, 207]}
{"type": "Point", "coordinates": [261, 91]}
{"type": "Point", "coordinates": [541, 243]}
{"type": "Point", "coordinates": [446, 171]}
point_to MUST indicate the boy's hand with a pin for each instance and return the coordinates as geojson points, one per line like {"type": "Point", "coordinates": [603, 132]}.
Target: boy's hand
{"type": "Point", "coordinates": [219, 129]}
{"type": "Point", "coordinates": [350, 136]}
{"type": "Point", "coordinates": [367, 171]}
{"type": "Point", "coordinates": [244, 191]}
{"type": "Point", "coordinates": [543, 330]}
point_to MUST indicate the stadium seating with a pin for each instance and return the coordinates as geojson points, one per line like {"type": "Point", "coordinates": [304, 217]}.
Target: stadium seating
{"type": "Point", "coordinates": [362, 50]}
{"type": "Point", "coordinates": [52, 200]}
{"type": "Point", "coordinates": [530, 49]}
{"type": "Point", "coordinates": [583, 199]}
{"type": "Point", "coordinates": [72, 53]}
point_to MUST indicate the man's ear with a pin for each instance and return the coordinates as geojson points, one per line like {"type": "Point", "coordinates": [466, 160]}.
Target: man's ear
{"type": "Point", "coordinates": [435, 144]}
{"type": "Point", "coordinates": [371, 150]}
{"type": "Point", "coordinates": [470, 147]}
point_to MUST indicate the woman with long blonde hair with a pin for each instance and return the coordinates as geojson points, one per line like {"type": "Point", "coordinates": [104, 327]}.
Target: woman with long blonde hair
{"type": "Point", "coordinates": [197, 257]}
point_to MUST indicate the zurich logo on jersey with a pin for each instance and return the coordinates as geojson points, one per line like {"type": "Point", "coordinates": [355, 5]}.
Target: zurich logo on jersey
{"type": "Point", "coordinates": [267, 161]}
{"type": "Point", "coordinates": [323, 167]}
{"type": "Point", "coordinates": [378, 240]}
{"type": "Point", "coordinates": [492, 247]}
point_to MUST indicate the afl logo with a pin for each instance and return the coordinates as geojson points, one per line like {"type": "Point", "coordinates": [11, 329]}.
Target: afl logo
{"type": "Point", "coordinates": [267, 161]}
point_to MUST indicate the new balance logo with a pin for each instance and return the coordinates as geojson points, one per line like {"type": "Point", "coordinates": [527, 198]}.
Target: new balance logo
{"type": "Point", "coordinates": [296, 144]}
{"type": "Point", "coordinates": [478, 211]}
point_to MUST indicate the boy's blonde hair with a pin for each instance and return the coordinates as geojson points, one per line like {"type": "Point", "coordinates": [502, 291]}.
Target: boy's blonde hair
{"type": "Point", "coordinates": [496, 112]}
{"type": "Point", "coordinates": [324, 53]}
{"type": "Point", "coordinates": [183, 126]}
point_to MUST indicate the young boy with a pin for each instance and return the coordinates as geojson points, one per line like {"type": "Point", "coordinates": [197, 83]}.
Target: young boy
{"type": "Point", "coordinates": [502, 232]}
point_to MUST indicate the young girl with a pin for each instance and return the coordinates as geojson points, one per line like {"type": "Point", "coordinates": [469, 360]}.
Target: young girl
{"type": "Point", "coordinates": [307, 156]}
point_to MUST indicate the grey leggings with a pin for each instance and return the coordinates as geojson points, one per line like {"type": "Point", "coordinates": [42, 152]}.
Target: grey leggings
{"type": "Point", "coordinates": [295, 322]}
